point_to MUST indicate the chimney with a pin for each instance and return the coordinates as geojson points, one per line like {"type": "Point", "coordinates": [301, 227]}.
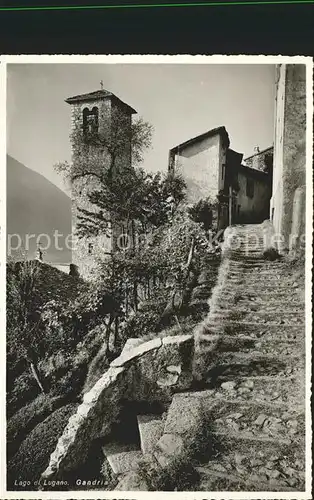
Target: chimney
{"type": "Point", "coordinates": [256, 159]}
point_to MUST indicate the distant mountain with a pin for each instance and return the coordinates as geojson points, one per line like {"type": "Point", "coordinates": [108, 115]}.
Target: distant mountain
{"type": "Point", "coordinates": [35, 206]}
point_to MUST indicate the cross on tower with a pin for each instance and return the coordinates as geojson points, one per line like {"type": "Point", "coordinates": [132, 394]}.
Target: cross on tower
{"type": "Point", "coordinates": [101, 85]}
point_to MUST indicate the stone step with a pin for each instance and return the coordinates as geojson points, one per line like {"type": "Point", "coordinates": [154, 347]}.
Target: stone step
{"type": "Point", "coordinates": [249, 259]}
{"type": "Point", "coordinates": [122, 457]}
{"type": "Point", "coordinates": [131, 481]}
{"type": "Point", "coordinates": [150, 429]}
{"type": "Point", "coordinates": [212, 479]}
{"type": "Point", "coordinates": [263, 290]}
{"type": "Point", "coordinates": [256, 390]}
{"type": "Point", "coordinates": [248, 249]}
{"type": "Point", "coordinates": [285, 292]}
{"type": "Point", "coordinates": [246, 244]}
{"type": "Point", "coordinates": [257, 420]}
{"type": "Point", "coordinates": [262, 264]}
{"type": "Point", "coordinates": [245, 254]}
{"type": "Point", "coordinates": [248, 418]}
{"type": "Point", "coordinates": [201, 292]}
{"type": "Point", "coordinates": [259, 356]}
{"type": "Point", "coordinates": [268, 279]}
{"type": "Point", "coordinates": [267, 274]}
{"type": "Point", "coordinates": [258, 366]}
{"type": "Point", "coordinates": [288, 390]}
{"type": "Point", "coordinates": [251, 274]}
{"type": "Point", "coordinates": [250, 279]}
{"type": "Point", "coordinates": [237, 309]}
{"type": "Point", "coordinates": [254, 329]}
{"type": "Point", "coordinates": [262, 319]}
{"type": "Point", "coordinates": [259, 461]}
{"type": "Point", "coordinates": [246, 266]}
{"type": "Point", "coordinates": [244, 237]}
{"type": "Point", "coordinates": [247, 234]}
{"type": "Point", "coordinates": [246, 240]}
{"type": "Point", "coordinates": [258, 304]}
{"type": "Point", "coordinates": [246, 344]}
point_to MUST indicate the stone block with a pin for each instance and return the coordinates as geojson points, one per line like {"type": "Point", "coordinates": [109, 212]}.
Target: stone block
{"type": "Point", "coordinates": [176, 351]}
{"type": "Point", "coordinates": [150, 428]}
{"type": "Point", "coordinates": [185, 415]}
{"type": "Point", "coordinates": [165, 370]}
{"type": "Point", "coordinates": [176, 339]}
{"type": "Point", "coordinates": [130, 344]}
{"type": "Point", "coordinates": [122, 458]}
{"type": "Point", "coordinates": [168, 448]}
{"type": "Point", "coordinates": [93, 420]}
{"type": "Point", "coordinates": [136, 352]}
{"type": "Point", "coordinates": [132, 481]}
{"type": "Point", "coordinates": [168, 380]}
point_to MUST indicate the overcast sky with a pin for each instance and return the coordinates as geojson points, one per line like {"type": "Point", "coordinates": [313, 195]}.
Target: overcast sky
{"type": "Point", "coordinates": [180, 101]}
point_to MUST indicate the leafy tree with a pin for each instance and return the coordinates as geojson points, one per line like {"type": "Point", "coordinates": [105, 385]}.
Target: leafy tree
{"type": "Point", "coordinates": [160, 265]}
{"type": "Point", "coordinates": [90, 308]}
{"type": "Point", "coordinates": [202, 212]}
{"type": "Point", "coordinates": [109, 150]}
{"type": "Point", "coordinates": [143, 199]}
{"type": "Point", "coordinates": [24, 338]}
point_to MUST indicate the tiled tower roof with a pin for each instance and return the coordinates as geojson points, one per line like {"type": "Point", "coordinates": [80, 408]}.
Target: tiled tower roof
{"type": "Point", "coordinates": [97, 95]}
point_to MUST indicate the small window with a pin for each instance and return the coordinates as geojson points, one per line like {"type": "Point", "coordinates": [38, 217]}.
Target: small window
{"type": "Point", "coordinates": [90, 248]}
{"type": "Point", "coordinates": [223, 171]}
{"type": "Point", "coordinates": [90, 121]}
{"type": "Point", "coordinates": [249, 187]}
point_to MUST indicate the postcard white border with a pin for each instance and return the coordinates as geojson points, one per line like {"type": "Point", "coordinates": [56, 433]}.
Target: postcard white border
{"type": "Point", "coordinates": [163, 59]}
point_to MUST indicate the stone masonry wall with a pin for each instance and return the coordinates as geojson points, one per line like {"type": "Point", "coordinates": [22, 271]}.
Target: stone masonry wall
{"type": "Point", "coordinates": [261, 160]}
{"type": "Point", "coordinates": [151, 371]}
{"type": "Point", "coordinates": [85, 249]}
{"type": "Point", "coordinates": [294, 141]}
{"type": "Point", "coordinates": [290, 153]}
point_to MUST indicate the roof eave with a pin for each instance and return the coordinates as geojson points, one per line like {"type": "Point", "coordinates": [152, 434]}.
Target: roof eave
{"type": "Point", "coordinates": [259, 153]}
{"type": "Point", "coordinates": [254, 172]}
{"type": "Point", "coordinates": [88, 98]}
{"type": "Point", "coordinates": [210, 133]}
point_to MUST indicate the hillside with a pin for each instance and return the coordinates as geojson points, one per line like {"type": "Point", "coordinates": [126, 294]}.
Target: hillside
{"type": "Point", "coordinates": [36, 206]}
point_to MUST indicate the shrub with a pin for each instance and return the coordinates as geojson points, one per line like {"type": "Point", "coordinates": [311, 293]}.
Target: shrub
{"type": "Point", "coordinates": [96, 467]}
{"type": "Point", "coordinates": [96, 369]}
{"type": "Point", "coordinates": [177, 476]}
{"type": "Point", "coordinates": [27, 418]}
{"type": "Point", "coordinates": [70, 382]}
{"type": "Point", "coordinates": [33, 456]}
{"type": "Point", "coordinates": [144, 321]}
{"type": "Point", "coordinates": [23, 390]}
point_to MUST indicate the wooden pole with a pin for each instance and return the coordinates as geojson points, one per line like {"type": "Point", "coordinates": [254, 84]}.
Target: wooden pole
{"type": "Point", "coordinates": [230, 205]}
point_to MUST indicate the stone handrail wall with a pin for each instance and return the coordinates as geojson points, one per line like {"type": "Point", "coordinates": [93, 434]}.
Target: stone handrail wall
{"type": "Point", "coordinates": [151, 371]}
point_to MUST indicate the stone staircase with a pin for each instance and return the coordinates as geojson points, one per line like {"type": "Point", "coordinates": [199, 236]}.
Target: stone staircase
{"type": "Point", "coordinates": [256, 403]}
{"type": "Point", "coordinates": [125, 458]}
{"type": "Point", "coordinates": [250, 355]}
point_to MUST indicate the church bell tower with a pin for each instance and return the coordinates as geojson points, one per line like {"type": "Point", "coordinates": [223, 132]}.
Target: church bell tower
{"type": "Point", "coordinates": [92, 114]}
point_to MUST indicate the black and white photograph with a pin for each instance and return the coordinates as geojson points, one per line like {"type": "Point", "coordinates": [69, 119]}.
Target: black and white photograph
{"type": "Point", "coordinates": [157, 283]}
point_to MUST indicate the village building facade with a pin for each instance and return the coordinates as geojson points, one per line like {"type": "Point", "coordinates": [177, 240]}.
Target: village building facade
{"type": "Point", "coordinates": [261, 160]}
{"type": "Point", "coordinates": [270, 184]}
{"type": "Point", "coordinates": [213, 171]}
